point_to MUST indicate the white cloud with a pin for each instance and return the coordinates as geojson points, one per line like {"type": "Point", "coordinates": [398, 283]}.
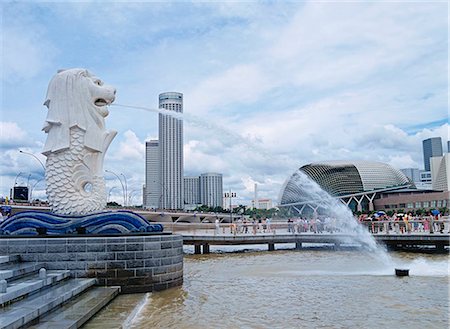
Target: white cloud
{"type": "Point", "coordinates": [274, 86]}
{"type": "Point", "coordinates": [402, 161]}
{"type": "Point", "coordinates": [26, 52]}
{"type": "Point", "coordinates": [10, 131]}
{"type": "Point", "coordinates": [131, 148]}
{"type": "Point", "coordinates": [238, 84]}
{"type": "Point", "coordinates": [12, 136]}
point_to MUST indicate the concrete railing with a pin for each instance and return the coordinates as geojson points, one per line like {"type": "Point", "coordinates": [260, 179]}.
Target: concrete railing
{"type": "Point", "coordinates": [376, 227]}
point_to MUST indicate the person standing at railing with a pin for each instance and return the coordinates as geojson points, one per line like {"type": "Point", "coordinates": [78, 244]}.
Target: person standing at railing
{"type": "Point", "coordinates": [431, 223]}
{"type": "Point", "coordinates": [386, 225]}
{"type": "Point", "coordinates": [246, 226]}
{"type": "Point", "coordinates": [239, 226]}
{"type": "Point", "coordinates": [289, 225]}
{"type": "Point", "coordinates": [426, 224]}
{"type": "Point", "coordinates": [254, 226]}
{"type": "Point", "coordinates": [217, 226]}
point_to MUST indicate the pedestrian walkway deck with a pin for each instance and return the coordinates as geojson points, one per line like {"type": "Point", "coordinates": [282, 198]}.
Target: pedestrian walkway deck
{"type": "Point", "coordinates": [202, 240]}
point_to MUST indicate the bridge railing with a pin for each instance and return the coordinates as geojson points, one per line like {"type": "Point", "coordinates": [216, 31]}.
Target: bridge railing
{"type": "Point", "coordinates": [375, 227]}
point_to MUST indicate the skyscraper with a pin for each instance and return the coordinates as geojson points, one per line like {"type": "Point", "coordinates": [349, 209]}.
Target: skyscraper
{"type": "Point", "coordinates": [211, 189]}
{"type": "Point", "coordinates": [152, 175]}
{"type": "Point", "coordinates": [432, 147]}
{"type": "Point", "coordinates": [171, 151]}
{"type": "Point", "coordinates": [412, 173]}
{"type": "Point", "coordinates": [192, 190]}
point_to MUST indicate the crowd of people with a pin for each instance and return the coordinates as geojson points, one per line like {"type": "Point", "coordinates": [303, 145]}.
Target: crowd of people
{"type": "Point", "coordinates": [400, 223]}
{"type": "Point", "coordinates": [379, 224]}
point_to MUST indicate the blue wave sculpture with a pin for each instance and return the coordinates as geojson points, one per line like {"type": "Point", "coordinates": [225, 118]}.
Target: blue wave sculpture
{"type": "Point", "coordinates": [109, 222]}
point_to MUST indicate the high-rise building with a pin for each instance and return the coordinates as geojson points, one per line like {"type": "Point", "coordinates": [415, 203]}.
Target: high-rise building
{"type": "Point", "coordinates": [255, 199]}
{"type": "Point", "coordinates": [412, 173]}
{"type": "Point", "coordinates": [264, 204]}
{"type": "Point", "coordinates": [432, 147]}
{"type": "Point", "coordinates": [192, 190]}
{"type": "Point", "coordinates": [171, 151]}
{"type": "Point", "coordinates": [448, 146]}
{"type": "Point", "coordinates": [153, 191]}
{"type": "Point", "coordinates": [440, 172]}
{"type": "Point", "coordinates": [211, 189]}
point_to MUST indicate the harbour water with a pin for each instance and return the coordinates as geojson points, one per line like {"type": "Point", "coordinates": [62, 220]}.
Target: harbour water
{"type": "Point", "coordinates": [311, 288]}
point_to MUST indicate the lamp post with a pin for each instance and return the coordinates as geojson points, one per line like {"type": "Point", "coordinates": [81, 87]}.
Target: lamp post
{"type": "Point", "coordinates": [109, 193]}
{"type": "Point", "coordinates": [126, 187]}
{"type": "Point", "coordinates": [42, 165]}
{"type": "Point", "coordinates": [32, 188]}
{"type": "Point", "coordinates": [230, 195]}
{"type": "Point", "coordinates": [121, 183]}
{"type": "Point", "coordinates": [130, 196]}
{"type": "Point", "coordinates": [163, 189]}
{"type": "Point", "coordinates": [17, 176]}
{"type": "Point", "coordinates": [28, 186]}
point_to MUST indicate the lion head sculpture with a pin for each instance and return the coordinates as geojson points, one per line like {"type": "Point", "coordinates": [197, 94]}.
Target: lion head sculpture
{"type": "Point", "coordinates": [75, 97]}
{"type": "Point", "coordinates": [76, 141]}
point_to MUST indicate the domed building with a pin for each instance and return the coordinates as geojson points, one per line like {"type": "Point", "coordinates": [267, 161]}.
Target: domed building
{"type": "Point", "coordinates": [356, 183]}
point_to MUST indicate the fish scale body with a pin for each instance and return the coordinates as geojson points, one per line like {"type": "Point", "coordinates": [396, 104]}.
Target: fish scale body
{"type": "Point", "coordinates": [73, 188]}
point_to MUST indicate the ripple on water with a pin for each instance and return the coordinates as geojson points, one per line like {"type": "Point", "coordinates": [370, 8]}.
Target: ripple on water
{"type": "Point", "coordinates": [306, 289]}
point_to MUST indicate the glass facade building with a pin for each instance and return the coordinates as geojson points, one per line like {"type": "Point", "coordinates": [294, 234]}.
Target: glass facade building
{"type": "Point", "coordinates": [432, 147]}
{"type": "Point", "coordinates": [349, 181]}
{"type": "Point", "coordinates": [211, 189]}
{"type": "Point", "coordinates": [153, 190]}
{"type": "Point", "coordinates": [171, 151]}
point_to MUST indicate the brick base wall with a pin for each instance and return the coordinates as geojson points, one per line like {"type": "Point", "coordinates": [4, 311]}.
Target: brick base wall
{"type": "Point", "coordinates": [136, 263]}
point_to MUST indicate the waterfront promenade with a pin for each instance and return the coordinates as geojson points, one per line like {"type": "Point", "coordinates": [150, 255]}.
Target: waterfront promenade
{"type": "Point", "coordinates": [202, 236]}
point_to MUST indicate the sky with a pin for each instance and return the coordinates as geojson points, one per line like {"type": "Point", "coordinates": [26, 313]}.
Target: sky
{"type": "Point", "coordinates": [268, 86]}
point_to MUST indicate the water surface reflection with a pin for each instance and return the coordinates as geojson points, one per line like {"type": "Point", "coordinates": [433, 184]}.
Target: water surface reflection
{"type": "Point", "coordinates": [307, 289]}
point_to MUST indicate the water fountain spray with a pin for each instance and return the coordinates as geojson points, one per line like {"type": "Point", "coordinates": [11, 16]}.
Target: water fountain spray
{"type": "Point", "coordinates": [351, 230]}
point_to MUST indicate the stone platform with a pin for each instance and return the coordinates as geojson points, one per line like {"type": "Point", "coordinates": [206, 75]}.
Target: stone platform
{"type": "Point", "coordinates": [136, 262]}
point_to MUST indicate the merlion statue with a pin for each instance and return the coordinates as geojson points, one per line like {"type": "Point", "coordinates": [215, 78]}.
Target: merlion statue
{"type": "Point", "coordinates": [76, 142]}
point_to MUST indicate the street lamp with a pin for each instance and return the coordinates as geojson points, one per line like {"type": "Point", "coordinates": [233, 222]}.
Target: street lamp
{"type": "Point", "coordinates": [230, 195]}
{"type": "Point", "coordinates": [163, 190]}
{"type": "Point", "coordinates": [126, 187]}
{"type": "Point", "coordinates": [28, 186]}
{"type": "Point", "coordinates": [42, 165]}
{"type": "Point", "coordinates": [130, 196]}
{"type": "Point", "coordinates": [123, 187]}
{"type": "Point", "coordinates": [32, 188]}
{"type": "Point", "coordinates": [17, 176]}
{"type": "Point", "coordinates": [109, 193]}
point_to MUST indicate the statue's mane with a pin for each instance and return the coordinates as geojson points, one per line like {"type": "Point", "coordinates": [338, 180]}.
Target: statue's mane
{"type": "Point", "coordinates": [70, 105]}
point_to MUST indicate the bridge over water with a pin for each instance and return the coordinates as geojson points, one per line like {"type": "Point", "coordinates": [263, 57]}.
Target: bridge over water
{"type": "Point", "coordinates": [204, 235]}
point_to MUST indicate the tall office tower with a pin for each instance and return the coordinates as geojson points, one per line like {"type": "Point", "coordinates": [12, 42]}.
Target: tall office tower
{"type": "Point", "coordinates": [211, 189]}
{"type": "Point", "coordinates": [432, 147]}
{"type": "Point", "coordinates": [440, 172]}
{"type": "Point", "coordinates": [412, 173]}
{"type": "Point", "coordinates": [255, 200]}
{"type": "Point", "coordinates": [153, 191]}
{"type": "Point", "coordinates": [192, 190]}
{"type": "Point", "coordinates": [171, 151]}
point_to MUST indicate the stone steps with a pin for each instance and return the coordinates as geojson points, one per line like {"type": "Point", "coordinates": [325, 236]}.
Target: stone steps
{"type": "Point", "coordinates": [54, 301]}
{"type": "Point", "coordinates": [33, 307]}
{"type": "Point", "coordinates": [20, 288]}
{"type": "Point", "coordinates": [12, 270]}
{"type": "Point", "coordinates": [76, 312]}
{"type": "Point", "coordinates": [9, 259]}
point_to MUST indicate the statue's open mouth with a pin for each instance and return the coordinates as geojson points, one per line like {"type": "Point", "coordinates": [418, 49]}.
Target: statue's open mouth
{"type": "Point", "coordinates": [101, 102]}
